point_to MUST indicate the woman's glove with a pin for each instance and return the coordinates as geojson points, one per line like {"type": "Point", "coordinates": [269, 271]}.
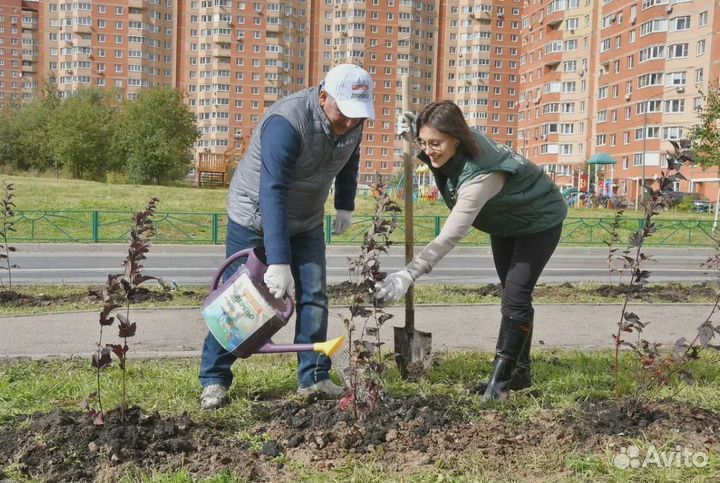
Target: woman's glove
{"type": "Point", "coordinates": [279, 280]}
{"type": "Point", "coordinates": [405, 125]}
{"type": "Point", "coordinates": [394, 286]}
{"type": "Point", "coordinates": [343, 220]}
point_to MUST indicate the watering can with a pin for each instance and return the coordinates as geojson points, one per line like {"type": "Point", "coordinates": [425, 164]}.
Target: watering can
{"type": "Point", "coordinates": [243, 315]}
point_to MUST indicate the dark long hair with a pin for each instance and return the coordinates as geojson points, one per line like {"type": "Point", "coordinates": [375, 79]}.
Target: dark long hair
{"type": "Point", "coordinates": [446, 117]}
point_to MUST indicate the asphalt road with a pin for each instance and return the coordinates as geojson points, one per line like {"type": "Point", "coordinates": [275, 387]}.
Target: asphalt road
{"type": "Point", "coordinates": [195, 265]}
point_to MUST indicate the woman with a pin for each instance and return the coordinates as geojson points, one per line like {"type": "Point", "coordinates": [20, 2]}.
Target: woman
{"type": "Point", "coordinates": [490, 188]}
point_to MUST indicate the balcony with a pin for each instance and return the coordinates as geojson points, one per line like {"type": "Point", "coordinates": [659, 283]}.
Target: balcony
{"type": "Point", "coordinates": [272, 97]}
{"type": "Point", "coordinates": [555, 13]}
{"type": "Point", "coordinates": [28, 25]}
{"type": "Point", "coordinates": [29, 67]}
{"type": "Point", "coordinates": [221, 38]}
{"type": "Point", "coordinates": [81, 29]}
{"type": "Point", "coordinates": [221, 52]}
{"type": "Point", "coordinates": [274, 55]}
{"type": "Point", "coordinates": [135, 4]}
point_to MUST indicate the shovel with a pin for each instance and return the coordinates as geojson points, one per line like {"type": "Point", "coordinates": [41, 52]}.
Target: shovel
{"type": "Point", "coordinates": [412, 347]}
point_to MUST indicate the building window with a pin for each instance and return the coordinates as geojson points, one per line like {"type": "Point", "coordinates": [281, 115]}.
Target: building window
{"type": "Point", "coordinates": [703, 19]}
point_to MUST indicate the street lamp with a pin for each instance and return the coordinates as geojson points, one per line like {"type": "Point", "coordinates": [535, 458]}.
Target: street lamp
{"type": "Point", "coordinates": [641, 184]}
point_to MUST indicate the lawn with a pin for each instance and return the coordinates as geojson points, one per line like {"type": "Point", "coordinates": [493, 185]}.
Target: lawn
{"type": "Point", "coordinates": [566, 428]}
{"type": "Point", "coordinates": [34, 193]}
{"type": "Point", "coordinates": [44, 299]}
{"type": "Point", "coordinates": [53, 210]}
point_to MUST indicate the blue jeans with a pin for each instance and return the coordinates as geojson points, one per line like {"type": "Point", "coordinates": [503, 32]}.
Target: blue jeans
{"type": "Point", "coordinates": [307, 251]}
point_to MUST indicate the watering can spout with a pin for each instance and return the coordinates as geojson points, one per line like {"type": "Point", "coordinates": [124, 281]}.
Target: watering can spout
{"type": "Point", "coordinates": [329, 347]}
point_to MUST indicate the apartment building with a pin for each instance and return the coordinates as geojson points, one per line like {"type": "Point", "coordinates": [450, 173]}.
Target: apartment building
{"type": "Point", "coordinates": [558, 41]}
{"type": "Point", "coordinates": [655, 62]}
{"type": "Point", "coordinates": [19, 55]}
{"type": "Point", "coordinates": [122, 44]}
{"type": "Point", "coordinates": [478, 66]}
{"type": "Point", "coordinates": [558, 80]}
{"type": "Point", "coordinates": [619, 77]}
{"type": "Point", "coordinates": [235, 59]}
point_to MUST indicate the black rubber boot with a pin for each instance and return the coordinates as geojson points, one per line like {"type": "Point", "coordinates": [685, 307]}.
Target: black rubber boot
{"type": "Point", "coordinates": [522, 376]}
{"type": "Point", "coordinates": [514, 337]}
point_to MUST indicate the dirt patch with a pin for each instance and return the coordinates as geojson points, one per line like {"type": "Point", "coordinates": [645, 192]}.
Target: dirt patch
{"type": "Point", "coordinates": [406, 436]}
{"type": "Point", "coordinates": [141, 294]}
{"type": "Point", "coordinates": [666, 292]}
{"type": "Point", "coordinates": [11, 298]}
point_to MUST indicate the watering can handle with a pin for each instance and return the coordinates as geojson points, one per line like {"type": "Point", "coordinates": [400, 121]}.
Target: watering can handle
{"type": "Point", "coordinates": [228, 261]}
{"type": "Point", "coordinates": [289, 308]}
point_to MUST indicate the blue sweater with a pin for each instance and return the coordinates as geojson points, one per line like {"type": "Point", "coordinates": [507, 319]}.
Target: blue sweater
{"type": "Point", "coordinates": [278, 164]}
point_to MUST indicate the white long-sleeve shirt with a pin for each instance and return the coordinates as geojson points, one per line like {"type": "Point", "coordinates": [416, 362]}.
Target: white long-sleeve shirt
{"type": "Point", "coordinates": [471, 197]}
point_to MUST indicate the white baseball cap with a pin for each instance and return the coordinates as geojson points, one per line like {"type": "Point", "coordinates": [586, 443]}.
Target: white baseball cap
{"type": "Point", "coordinates": [352, 88]}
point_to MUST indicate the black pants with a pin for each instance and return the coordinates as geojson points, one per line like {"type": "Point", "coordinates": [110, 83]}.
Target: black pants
{"type": "Point", "coordinates": [519, 263]}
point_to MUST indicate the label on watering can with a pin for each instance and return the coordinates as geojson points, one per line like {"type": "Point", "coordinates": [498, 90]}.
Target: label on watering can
{"type": "Point", "coordinates": [237, 312]}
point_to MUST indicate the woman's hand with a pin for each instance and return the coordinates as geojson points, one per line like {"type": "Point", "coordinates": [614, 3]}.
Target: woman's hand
{"type": "Point", "coordinates": [394, 286]}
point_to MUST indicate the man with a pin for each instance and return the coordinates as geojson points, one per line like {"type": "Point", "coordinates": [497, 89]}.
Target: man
{"type": "Point", "coordinates": [276, 201]}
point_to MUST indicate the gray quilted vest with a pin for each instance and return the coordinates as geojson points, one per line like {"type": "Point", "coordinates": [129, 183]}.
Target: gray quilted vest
{"type": "Point", "coordinates": [322, 157]}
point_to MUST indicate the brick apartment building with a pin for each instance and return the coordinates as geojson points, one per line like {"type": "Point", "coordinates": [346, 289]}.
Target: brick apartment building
{"type": "Point", "coordinates": [557, 80]}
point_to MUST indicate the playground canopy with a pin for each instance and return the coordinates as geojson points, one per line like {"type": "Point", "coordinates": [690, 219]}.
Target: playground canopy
{"type": "Point", "coordinates": [601, 158]}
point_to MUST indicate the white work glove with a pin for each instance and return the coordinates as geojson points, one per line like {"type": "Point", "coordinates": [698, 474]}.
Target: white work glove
{"type": "Point", "coordinates": [405, 125]}
{"type": "Point", "coordinates": [394, 286]}
{"type": "Point", "coordinates": [343, 220]}
{"type": "Point", "coordinates": [279, 280]}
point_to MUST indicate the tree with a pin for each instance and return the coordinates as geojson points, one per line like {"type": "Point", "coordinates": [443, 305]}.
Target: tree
{"type": "Point", "coordinates": [705, 135]}
{"type": "Point", "coordinates": [33, 121]}
{"type": "Point", "coordinates": [80, 134]}
{"type": "Point", "coordinates": [155, 136]}
{"type": "Point", "coordinates": [11, 153]}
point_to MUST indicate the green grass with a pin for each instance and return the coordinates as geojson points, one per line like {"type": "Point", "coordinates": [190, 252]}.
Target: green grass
{"type": "Point", "coordinates": [563, 379]}
{"type": "Point", "coordinates": [72, 298]}
{"type": "Point", "coordinates": [63, 210]}
{"type": "Point", "coordinates": [42, 193]}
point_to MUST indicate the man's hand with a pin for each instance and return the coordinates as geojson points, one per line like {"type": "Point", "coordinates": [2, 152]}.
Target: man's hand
{"type": "Point", "coordinates": [405, 125]}
{"type": "Point", "coordinates": [394, 286]}
{"type": "Point", "coordinates": [343, 220]}
{"type": "Point", "coordinates": [279, 280]}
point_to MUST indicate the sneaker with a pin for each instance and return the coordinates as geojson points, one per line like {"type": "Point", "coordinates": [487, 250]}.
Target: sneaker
{"type": "Point", "coordinates": [213, 396]}
{"type": "Point", "coordinates": [325, 389]}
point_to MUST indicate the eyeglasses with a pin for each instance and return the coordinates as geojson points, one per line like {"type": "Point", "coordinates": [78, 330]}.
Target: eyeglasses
{"type": "Point", "coordinates": [432, 145]}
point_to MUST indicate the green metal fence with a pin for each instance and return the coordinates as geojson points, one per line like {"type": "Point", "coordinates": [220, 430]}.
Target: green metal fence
{"type": "Point", "coordinates": [210, 228]}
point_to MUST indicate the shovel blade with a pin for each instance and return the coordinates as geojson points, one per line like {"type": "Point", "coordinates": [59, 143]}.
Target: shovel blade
{"type": "Point", "coordinates": [413, 352]}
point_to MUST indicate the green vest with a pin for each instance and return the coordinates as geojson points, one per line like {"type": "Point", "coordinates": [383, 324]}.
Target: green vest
{"type": "Point", "coordinates": [529, 203]}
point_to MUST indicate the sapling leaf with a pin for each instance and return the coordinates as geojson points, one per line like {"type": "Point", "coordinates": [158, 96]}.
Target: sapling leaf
{"type": "Point", "coordinates": [117, 349]}
{"type": "Point", "coordinates": [705, 334]}
{"type": "Point", "coordinates": [138, 279]}
{"type": "Point", "coordinates": [384, 317]}
{"type": "Point", "coordinates": [126, 329]}
{"type": "Point", "coordinates": [628, 344]}
{"type": "Point", "coordinates": [631, 317]}
{"type": "Point", "coordinates": [103, 360]}
{"type": "Point", "coordinates": [360, 311]}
